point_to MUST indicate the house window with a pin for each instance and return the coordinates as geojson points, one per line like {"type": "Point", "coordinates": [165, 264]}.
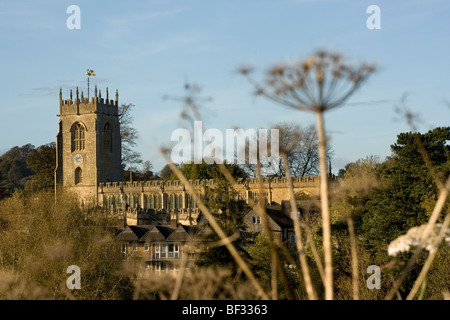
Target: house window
{"type": "Point", "coordinates": [156, 250]}
{"type": "Point", "coordinates": [123, 248]}
{"type": "Point", "coordinates": [292, 238]}
{"type": "Point", "coordinates": [134, 246]}
{"type": "Point", "coordinates": [166, 250]}
{"type": "Point", "coordinates": [107, 138]}
{"type": "Point", "coordinates": [78, 175]}
{"type": "Point", "coordinates": [256, 220]}
{"type": "Point", "coordinates": [78, 137]}
{"type": "Point", "coordinates": [146, 247]}
{"type": "Point", "coordinates": [174, 252]}
{"type": "Point", "coordinates": [163, 250]}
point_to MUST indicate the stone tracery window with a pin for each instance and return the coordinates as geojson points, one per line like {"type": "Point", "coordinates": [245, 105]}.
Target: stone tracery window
{"type": "Point", "coordinates": [78, 137]}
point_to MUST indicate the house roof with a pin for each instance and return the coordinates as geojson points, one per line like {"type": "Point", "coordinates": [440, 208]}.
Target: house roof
{"type": "Point", "coordinates": [132, 233]}
{"type": "Point", "coordinates": [280, 218]}
{"type": "Point", "coordinates": [165, 231]}
{"type": "Point", "coordinates": [277, 214]}
{"type": "Point", "coordinates": [179, 234]}
{"type": "Point", "coordinates": [304, 206]}
{"type": "Point", "coordinates": [151, 233]}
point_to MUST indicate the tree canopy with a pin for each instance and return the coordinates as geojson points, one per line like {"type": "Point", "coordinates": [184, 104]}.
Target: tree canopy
{"type": "Point", "coordinates": [408, 191]}
{"type": "Point", "coordinates": [203, 170]}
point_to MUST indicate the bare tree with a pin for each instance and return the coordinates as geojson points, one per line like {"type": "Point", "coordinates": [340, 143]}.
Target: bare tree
{"type": "Point", "coordinates": [128, 136]}
{"type": "Point", "coordinates": [301, 146]}
{"type": "Point", "coordinates": [322, 82]}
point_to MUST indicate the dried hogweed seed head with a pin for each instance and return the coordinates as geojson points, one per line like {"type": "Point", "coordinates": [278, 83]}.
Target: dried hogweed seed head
{"type": "Point", "coordinates": [277, 70]}
{"type": "Point", "coordinates": [309, 63]}
{"type": "Point", "coordinates": [245, 70]}
{"type": "Point", "coordinates": [414, 237]}
{"type": "Point", "coordinates": [319, 75]}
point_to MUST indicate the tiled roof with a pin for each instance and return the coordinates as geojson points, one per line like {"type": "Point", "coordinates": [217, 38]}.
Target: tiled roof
{"type": "Point", "coordinates": [151, 233]}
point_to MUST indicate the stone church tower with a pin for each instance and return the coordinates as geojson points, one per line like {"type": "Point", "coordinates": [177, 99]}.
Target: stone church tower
{"type": "Point", "coordinates": [88, 145]}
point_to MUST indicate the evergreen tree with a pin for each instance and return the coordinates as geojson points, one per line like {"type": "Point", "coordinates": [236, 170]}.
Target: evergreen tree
{"type": "Point", "coordinates": [409, 191]}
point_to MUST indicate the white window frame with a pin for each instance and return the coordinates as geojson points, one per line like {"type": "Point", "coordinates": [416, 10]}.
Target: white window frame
{"type": "Point", "coordinates": [256, 220]}
{"type": "Point", "coordinates": [155, 251]}
{"type": "Point", "coordinates": [163, 250]}
{"type": "Point", "coordinates": [146, 246]}
{"type": "Point", "coordinates": [166, 250]}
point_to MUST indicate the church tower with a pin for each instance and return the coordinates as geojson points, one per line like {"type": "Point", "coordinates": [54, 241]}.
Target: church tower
{"type": "Point", "coordinates": [88, 145]}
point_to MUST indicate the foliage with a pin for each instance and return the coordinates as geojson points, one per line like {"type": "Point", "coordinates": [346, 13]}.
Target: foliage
{"type": "Point", "coordinates": [259, 252]}
{"type": "Point", "coordinates": [145, 174]}
{"type": "Point", "coordinates": [14, 172]}
{"type": "Point", "coordinates": [41, 238]}
{"type": "Point", "coordinates": [229, 212]}
{"type": "Point", "coordinates": [27, 168]}
{"type": "Point", "coordinates": [42, 161]}
{"type": "Point", "coordinates": [193, 171]}
{"type": "Point", "coordinates": [409, 189]}
{"type": "Point", "coordinates": [166, 173]}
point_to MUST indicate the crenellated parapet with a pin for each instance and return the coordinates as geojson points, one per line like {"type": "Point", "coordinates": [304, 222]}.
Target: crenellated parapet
{"type": "Point", "coordinates": [81, 105]}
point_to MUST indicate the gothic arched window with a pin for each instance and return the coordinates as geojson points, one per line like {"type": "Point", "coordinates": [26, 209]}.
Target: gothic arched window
{"type": "Point", "coordinates": [78, 137]}
{"type": "Point", "coordinates": [78, 175]}
{"type": "Point", "coordinates": [107, 138]}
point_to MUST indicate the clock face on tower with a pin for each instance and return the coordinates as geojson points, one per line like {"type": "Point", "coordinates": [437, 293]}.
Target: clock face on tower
{"type": "Point", "coordinates": [78, 159]}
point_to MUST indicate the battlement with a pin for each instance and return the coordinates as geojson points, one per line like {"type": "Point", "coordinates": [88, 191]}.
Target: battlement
{"type": "Point", "coordinates": [177, 185]}
{"type": "Point", "coordinates": [82, 104]}
{"type": "Point", "coordinates": [173, 195]}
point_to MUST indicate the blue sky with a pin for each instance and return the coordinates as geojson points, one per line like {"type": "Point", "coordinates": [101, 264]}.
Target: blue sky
{"type": "Point", "coordinates": [148, 49]}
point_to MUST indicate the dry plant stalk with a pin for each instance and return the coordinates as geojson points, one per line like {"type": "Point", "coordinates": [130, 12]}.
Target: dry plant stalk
{"type": "Point", "coordinates": [298, 236]}
{"type": "Point", "coordinates": [443, 195]}
{"type": "Point", "coordinates": [310, 241]}
{"type": "Point", "coordinates": [429, 261]}
{"type": "Point", "coordinates": [428, 229]}
{"type": "Point", "coordinates": [216, 227]}
{"type": "Point", "coordinates": [191, 106]}
{"type": "Point", "coordinates": [179, 280]}
{"type": "Point", "coordinates": [322, 82]}
{"type": "Point", "coordinates": [354, 252]}
{"type": "Point", "coordinates": [300, 248]}
{"type": "Point", "coordinates": [276, 262]}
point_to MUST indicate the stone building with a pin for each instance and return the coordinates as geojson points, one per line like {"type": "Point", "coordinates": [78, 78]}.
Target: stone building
{"type": "Point", "coordinates": [89, 164]}
{"type": "Point", "coordinates": [160, 249]}
{"type": "Point", "coordinates": [88, 145]}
